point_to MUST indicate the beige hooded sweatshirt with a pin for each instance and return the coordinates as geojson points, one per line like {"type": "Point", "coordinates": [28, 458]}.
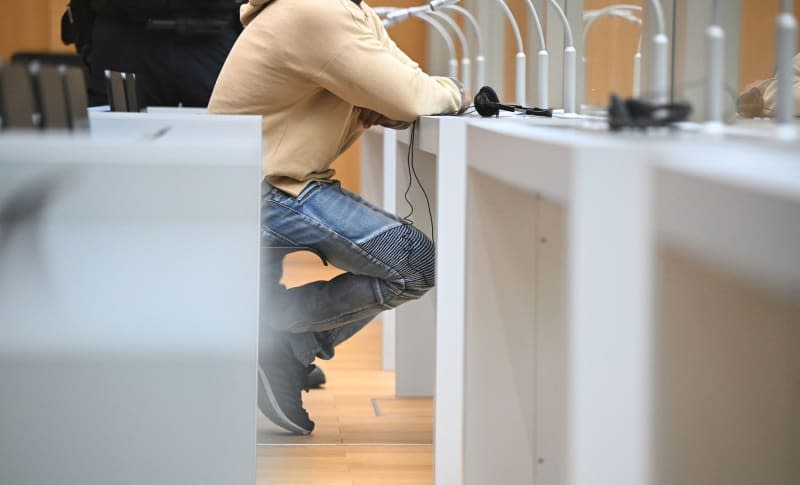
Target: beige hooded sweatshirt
{"type": "Point", "coordinates": [307, 66]}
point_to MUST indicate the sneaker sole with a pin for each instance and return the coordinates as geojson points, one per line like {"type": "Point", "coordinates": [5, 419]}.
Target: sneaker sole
{"type": "Point", "coordinates": [274, 411]}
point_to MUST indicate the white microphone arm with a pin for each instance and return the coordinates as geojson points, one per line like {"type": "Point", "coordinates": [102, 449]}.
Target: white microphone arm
{"type": "Point", "coordinates": [395, 16]}
{"type": "Point", "coordinates": [659, 57]}
{"type": "Point", "coordinates": [786, 42]}
{"type": "Point", "coordinates": [382, 11]}
{"type": "Point", "coordinates": [621, 11]}
{"type": "Point", "coordinates": [570, 62]}
{"type": "Point", "coordinates": [715, 57]}
{"type": "Point", "coordinates": [466, 63]}
{"type": "Point", "coordinates": [520, 57]}
{"type": "Point", "coordinates": [440, 4]}
{"type": "Point", "coordinates": [543, 84]}
{"type": "Point", "coordinates": [480, 61]}
{"type": "Point", "coordinates": [398, 15]}
{"type": "Point", "coordinates": [453, 65]}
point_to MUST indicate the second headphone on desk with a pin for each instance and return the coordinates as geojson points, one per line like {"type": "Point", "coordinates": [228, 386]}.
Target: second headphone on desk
{"type": "Point", "coordinates": [487, 103]}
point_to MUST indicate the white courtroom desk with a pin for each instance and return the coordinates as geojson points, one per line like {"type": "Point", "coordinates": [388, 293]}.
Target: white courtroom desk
{"type": "Point", "coordinates": [623, 294]}
{"type": "Point", "coordinates": [128, 307]}
{"type": "Point", "coordinates": [603, 238]}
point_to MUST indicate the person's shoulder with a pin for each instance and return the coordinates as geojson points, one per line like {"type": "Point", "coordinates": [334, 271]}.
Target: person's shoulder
{"type": "Point", "coordinates": [327, 23]}
{"type": "Point", "coordinates": [331, 11]}
{"type": "Point", "coordinates": [309, 19]}
{"type": "Point", "coordinates": [371, 17]}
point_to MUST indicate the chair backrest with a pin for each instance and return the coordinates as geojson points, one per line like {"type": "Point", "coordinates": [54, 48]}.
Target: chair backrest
{"type": "Point", "coordinates": [115, 87]}
{"type": "Point", "coordinates": [17, 103]}
{"type": "Point", "coordinates": [131, 93]}
{"type": "Point", "coordinates": [77, 101]}
{"type": "Point", "coordinates": [49, 89]}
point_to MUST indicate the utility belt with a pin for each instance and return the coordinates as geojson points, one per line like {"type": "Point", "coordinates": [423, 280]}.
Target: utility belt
{"type": "Point", "coordinates": [181, 17]}
{"type": "Point", "coordinates": [190, 25]}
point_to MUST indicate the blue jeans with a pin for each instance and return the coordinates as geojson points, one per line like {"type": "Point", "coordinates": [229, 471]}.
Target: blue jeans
{"type": "Point", "coordinates": [387, 262]}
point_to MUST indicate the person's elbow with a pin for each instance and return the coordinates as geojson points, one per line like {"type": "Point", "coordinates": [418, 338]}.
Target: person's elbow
{"type": "Point", "coordinates": [410, 107]}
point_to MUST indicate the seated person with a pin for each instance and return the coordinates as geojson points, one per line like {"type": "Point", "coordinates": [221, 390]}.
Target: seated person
{"type": "Point", "coordinates": [757, 100]}
{"type": "Point", "coordinates": [320, 72]}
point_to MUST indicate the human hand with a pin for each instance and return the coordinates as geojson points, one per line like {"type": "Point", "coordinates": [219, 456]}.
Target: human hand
{"type": "Point", "coordinates": [467, 103]}
{"type": "Point", "coordinates": [750, 103]}
{"type": "Point", "coordinates": [368, 118]}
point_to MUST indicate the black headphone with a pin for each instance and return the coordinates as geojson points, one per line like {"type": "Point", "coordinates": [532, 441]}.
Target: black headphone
{"type": "Point", "coordinates": [635, 113]}
{"type": "Point", "coordinates": [487, 103]}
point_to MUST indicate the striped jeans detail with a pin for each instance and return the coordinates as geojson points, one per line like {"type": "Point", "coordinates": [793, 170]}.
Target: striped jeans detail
{"type": "Point", "coordinates": [410, 253]}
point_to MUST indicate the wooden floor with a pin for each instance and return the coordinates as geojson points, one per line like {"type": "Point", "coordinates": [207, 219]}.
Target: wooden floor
{"type": "Point", "coordinates": [364, 435]}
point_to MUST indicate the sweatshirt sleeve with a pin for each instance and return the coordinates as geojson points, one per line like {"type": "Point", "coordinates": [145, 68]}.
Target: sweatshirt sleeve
{"type": "Point", "coordinates": [366, 73]}
{"type": "Point", "coordinates": [386, 39]}
{"type": "Point", "coordinates": [356, 63]}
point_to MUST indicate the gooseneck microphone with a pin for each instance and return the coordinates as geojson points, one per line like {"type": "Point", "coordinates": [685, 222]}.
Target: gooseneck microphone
{"type": "Point", "coordinates": [659, 58]}
{"type": "Point", "coordinates": [480, 61]}
{"type": "Point", "coordinates": [466, 63]}
{"type": "Point", "coordinates": [624, 12]}
{"type": "Point", "coordinates": [786, 42]}
{"type": "Point", "coordinates": [396, 15]}
{"type": "Point", "coordinates": [453, 64]}
{"type": "Point", "coordinates": [439, 4]}
{"type": "Point", "coordinates": [520, 57]}
{"type": "Point", "coordinates": [543, 70]}
{"type": "Point", "coordinates": [570, 62]}
{"type": "Point", "coordinates": [715, 57]}
{"type": "Point", "coordinates": [383, 11]}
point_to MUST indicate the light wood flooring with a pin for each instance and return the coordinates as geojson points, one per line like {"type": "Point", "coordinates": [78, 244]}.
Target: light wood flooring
{"type": "Point", "coordinates": [364, 435]}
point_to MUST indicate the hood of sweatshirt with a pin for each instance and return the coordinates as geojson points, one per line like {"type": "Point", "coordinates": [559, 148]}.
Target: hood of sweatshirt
{"type": "Point", "coordinates": [254, 7]}
{"type": "Point", "coordinates": [249, 10]}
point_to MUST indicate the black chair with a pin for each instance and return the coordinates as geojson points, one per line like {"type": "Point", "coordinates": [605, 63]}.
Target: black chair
{"type": "Point", "coordinates": [115, 87]}
{"type": "Point", "coordinates": [45, 96]}
{"type": "Point", "coordinates": [49, 91]}
{"type": "Point", "coordinates": [77, 100]}
{"type": "Point", "coordinates": [131, 92]}
{"type": "Point", "coordinates": [17, 102]}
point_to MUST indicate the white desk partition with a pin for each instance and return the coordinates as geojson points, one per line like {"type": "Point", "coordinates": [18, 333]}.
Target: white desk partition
{"type": "Point", "coordinates": [379, 187]}
{"type": "Point", "coordinates": [519, 191]}
{"type": "Point", "coordinates": [128, 308]}
{"type": "Point", "coordinates": [416, 321]}
{"type": "Point", "coordinates": [727, 395]}
{"type": "Point", "coordinates": [154, 126]}
{"type": "Point", "coordinates": [174, 110]}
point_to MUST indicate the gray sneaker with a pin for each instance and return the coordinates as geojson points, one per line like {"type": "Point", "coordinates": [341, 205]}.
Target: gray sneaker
{"type": "Point", "coordinates": [281, 380]}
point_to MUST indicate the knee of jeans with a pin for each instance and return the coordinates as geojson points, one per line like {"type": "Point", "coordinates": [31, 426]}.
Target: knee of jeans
{"type": "Point", "coordinates": [411, 254]}
{"type": "Point", "coordinates": [420, 275]}
{"type": "Point", "coordinates": [414, 259]}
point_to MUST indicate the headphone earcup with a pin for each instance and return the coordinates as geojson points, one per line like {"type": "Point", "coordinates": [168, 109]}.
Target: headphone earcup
{"type": "Point", "coordinates": [486, 102]}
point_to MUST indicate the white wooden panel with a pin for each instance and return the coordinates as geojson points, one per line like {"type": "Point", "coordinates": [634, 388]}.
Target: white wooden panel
{"type": "Point", "coordinates": [500, 335]}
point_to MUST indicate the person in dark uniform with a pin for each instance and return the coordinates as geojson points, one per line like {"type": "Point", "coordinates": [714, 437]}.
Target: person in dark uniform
{"type": "Point", "coordinates": [176, 48]}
